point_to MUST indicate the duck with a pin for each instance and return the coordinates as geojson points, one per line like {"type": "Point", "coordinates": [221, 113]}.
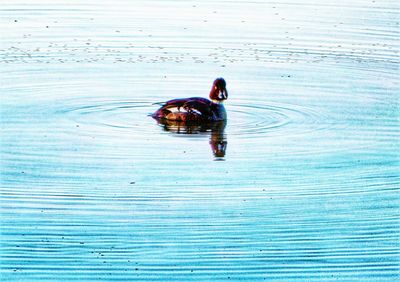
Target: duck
{"type": "Point", "coordinates": [196, 109]}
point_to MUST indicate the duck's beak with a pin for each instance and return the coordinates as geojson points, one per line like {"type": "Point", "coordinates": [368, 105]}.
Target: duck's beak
{"type": "Point", "coordinates": [223, 94]}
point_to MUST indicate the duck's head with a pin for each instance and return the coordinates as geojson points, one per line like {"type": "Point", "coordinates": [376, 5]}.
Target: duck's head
{"type": "Point", "coordinates": [218, 91]}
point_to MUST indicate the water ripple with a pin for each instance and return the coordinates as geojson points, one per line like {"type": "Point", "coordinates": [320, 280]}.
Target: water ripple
{"type": "Point", "coordinates": [92, 188]}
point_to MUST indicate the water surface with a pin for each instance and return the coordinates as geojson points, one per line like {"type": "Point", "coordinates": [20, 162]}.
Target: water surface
{"type": "Point", "coordinates": [301, 183]}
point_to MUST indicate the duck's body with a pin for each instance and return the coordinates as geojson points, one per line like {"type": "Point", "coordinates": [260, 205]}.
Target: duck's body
{"type": "Point", "coordinates": [196, 109]}
{"type": "Point", "coordinates": [193, 109]}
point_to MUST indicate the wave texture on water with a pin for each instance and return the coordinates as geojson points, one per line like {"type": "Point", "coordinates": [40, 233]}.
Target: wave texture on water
{"type": "Point", "coordinates": [300, 183]}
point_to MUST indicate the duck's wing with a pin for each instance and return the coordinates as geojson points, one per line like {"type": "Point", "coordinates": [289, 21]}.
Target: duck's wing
{"type": "Point", "coordinates": [187, 109]}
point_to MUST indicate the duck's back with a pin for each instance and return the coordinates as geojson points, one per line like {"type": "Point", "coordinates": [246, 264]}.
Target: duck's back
{"type": "Point", "coordinates": [192, 102]}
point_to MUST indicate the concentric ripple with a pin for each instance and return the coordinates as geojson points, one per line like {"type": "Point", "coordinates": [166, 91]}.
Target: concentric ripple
{"type": "Point", "coordinates": [115, 115]}
{"type": "Point", "coordinates": [246, 120]}
{"type": "Point", "coordinates": [269, 119]}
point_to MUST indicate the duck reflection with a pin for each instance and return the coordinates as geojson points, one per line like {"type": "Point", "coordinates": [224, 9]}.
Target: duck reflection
{"type": "Point", "coordinates": [218, 141]}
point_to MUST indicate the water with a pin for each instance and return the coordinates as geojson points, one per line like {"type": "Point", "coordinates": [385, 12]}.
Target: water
{"type": "Point", "coordinates": [301, 183]}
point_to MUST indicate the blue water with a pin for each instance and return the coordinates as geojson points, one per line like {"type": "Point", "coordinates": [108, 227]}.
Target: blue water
{"type": "Point", "coordinates": [306, 186]}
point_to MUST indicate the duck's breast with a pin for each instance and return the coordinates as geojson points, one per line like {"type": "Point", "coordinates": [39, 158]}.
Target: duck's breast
{"type": "Point", "coordinates": [218, 112]}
